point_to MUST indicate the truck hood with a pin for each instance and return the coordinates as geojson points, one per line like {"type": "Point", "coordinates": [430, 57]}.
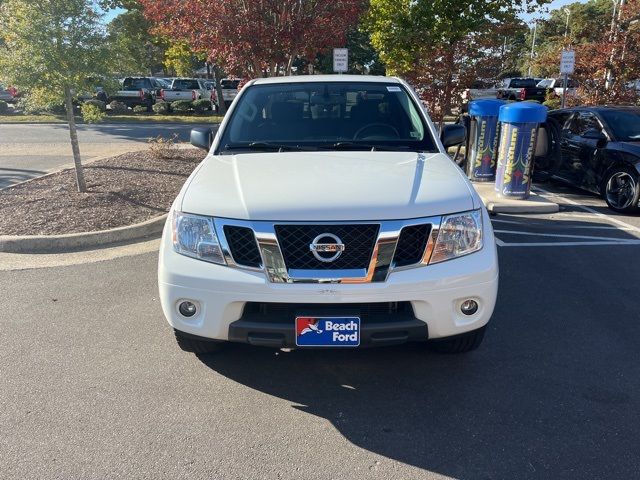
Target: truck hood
{"type": "Point", "coordinates": [327, 186]}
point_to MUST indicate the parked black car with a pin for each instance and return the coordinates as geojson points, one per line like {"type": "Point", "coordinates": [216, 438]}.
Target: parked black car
{"type": "Point", "coordinates": [596, 149]}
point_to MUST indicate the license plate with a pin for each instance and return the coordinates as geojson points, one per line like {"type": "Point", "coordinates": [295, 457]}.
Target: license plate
{"type": "Point", "coordinates": [327, 331]}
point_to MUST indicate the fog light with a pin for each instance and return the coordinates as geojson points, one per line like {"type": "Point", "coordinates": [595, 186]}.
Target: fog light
{"type": "Point", "coordinates": [187, 309]}
{"type": "Point", "coordinates": [469, 307]}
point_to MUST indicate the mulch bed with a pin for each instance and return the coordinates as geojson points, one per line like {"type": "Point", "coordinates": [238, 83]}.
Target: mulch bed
{"type": "Point", "coordinates": [122, 190]}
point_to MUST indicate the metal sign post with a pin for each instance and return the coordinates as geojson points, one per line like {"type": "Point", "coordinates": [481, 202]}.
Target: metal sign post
{"type": "Point", "coordinates": [567, 66]}
{"type": "Point", "coordinates": [340, 60]}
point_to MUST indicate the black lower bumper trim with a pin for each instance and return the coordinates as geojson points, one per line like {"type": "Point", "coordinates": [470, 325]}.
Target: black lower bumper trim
{"type": "Point", "coordinates": [278, 334]}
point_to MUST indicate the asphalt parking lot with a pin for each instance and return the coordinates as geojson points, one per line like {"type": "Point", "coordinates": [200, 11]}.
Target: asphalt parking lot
{"type": "Point", "coordinates": [31, 150]}
{"type": "Point", "coordinates": [93, 386]}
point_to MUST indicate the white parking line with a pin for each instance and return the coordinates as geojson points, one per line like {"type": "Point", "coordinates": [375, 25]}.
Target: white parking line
{"type": "Point", "coordinates": [561, 235]}
{"type": "Point", "coordinates": [566, 244]}
{"type": "Point", "coordinates": [589, 209]}
{"type": "Point", "coordinates": [574, 227]}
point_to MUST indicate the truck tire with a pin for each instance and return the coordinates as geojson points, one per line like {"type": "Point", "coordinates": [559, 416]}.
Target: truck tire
{"type": "Point", "coordinates": [191, 343]}
{"type": "Point", "coordinates": [463, 343]}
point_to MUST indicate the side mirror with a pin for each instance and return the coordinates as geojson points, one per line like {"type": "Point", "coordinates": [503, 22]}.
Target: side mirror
{"type": "Point", "coordinates": [453, 135]}
{"type": "Point", "coordinates": [201, 137]}
{"type": "Point", "coordinates": [595, 134]}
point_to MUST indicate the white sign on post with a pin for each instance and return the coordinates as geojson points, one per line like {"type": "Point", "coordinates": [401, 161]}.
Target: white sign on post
{"type": "Point", "coordinates": [567, 62]}
{"type": "Point", "coordinates": [340, 60]}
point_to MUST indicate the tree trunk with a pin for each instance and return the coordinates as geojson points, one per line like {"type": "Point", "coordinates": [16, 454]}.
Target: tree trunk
{"type": "Point", "coordinates": [446, 103]}
{"type": "Point", "coordinates": [222, 108]}
{"type": "Point", "coordinates": [73, 134]}
{"type": "Point", "coordinates": [290, 64]}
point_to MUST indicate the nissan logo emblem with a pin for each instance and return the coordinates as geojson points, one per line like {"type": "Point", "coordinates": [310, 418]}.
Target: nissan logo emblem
{"type": "Point", "coordinates": [327, 251]}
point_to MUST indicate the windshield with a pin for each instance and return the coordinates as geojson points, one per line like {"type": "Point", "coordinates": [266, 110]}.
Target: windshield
{"type": "Point", "coordinates": [545, 83]}
{"type": "Point", "coordinates": [185, 84]}
{"type": "Point", "coordinates": [229, 84]}
{"type": "Point", "coordinates": [522, 83]}
{"type": "Point", "coordinates": [135, 84]}
{"type": "Point", "coordinates": [335, 115]}
{"type": "Point", "coordinates": [624, 124]}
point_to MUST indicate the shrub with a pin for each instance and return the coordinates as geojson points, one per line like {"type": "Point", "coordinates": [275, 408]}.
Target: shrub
{"type": "Point", "coordinates": [4, 107]}
{"type": "Point", "coordinates": [139, 109]}
{"type": "Point", "coordinates": [42, 100]}
{"type": "Point", "coordinates": [92, 113]}
{"type": "Point", "coordinates": [181, 106]}
{"type": "Point", "coordinates": [162, 147]}
{"type": "Point", "coordinates": [201, 106]}
{"type": "Point", "coordinates": [552, 101]}
{"type": "Point", "coordinates": [162, 108]}
{"type": "Point", "coordinates": [101, 105]}
{"type": "Point", "coordinates": [118, 107]}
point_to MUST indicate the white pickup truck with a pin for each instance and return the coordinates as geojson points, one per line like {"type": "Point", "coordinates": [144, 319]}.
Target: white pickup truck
{"type": "Point", "coordinates": [229, 88]}
{"type": "Point", "coordinates": [186, 89]}
{"type": "Point", "coordinates": [556, 85]}
{"type": "Point", "coordinates": [327, 213]}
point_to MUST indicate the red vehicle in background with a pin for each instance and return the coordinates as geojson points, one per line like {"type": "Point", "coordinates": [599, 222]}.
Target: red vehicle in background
{"type": "Point", "coordinates": [9, 94]}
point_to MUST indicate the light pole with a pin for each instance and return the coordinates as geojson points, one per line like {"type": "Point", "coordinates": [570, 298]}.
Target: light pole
{"type": "Point", "coordinates": [566, 27]}
{"type": "Point", "coordinates": [533, 46]}
{"type": "Point", "coordinates": [613, 38]}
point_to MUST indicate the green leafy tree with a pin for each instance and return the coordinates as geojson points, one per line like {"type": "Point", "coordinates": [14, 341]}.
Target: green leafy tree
{"type": "Point", "coordinates": [57, 45]}
{"type": "Point", "coordinates": [606, 48]}
{"type": "Point", "coordinates": [182, 60]}
{"type": "Point", "coordinates": [132, 48]}
{"type": "Point", "coordinates": [363, 58]}
{"type": "Point", "coordinates": [439, 44]}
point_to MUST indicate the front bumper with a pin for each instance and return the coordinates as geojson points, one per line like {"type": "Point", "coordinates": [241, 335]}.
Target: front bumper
{"type": "Point", "coordinates": [434, 291]}
{"type": "Point", "coordinates": [280, 333]}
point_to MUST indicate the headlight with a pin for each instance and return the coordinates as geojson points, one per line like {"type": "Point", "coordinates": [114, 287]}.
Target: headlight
{"type": "Point", "coordinates": [460, 234]}
{"type": "Point", "coordinates": [195, 236]}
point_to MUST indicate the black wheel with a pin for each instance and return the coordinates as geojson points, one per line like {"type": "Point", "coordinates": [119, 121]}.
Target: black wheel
{"type": "Point", "coordinates": [189, 343]}
{"type": "Point", "coordinates": [463, 343]}
{"type": "Point", "coordinates": [621, 189]}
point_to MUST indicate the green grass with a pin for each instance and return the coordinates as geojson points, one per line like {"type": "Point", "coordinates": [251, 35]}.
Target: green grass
{"type": "Point", "coordinates": [137, 118]}
{"type": "Point", "coordinates": [31, 119]}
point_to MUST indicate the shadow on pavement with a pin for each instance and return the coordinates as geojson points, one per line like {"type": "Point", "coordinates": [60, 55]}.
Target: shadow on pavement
{"type": "Point", "coordinates": [11, 176]}
{"type": "Point", "coordinates": [550, 393]}
{"type": "Point", "coordinates": [581, 198]}
{"type": "Point", "coordinates": [141, 131]}
{"type": "Point", "coordinates": [519, 229]}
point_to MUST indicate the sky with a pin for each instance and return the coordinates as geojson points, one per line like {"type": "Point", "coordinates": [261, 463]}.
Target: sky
{"type": "Point", "coordinates": [527, 17]}
{"type": "Point", "coordinates": [554, 5]}
{"type": "Point", "coordinates": [110, 14]}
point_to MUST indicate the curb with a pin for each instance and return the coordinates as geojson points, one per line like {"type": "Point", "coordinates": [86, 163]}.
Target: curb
{"type": "Point", "coordinates": [496, 204]}
{"type": "Point", "coordinates": [82, 241]}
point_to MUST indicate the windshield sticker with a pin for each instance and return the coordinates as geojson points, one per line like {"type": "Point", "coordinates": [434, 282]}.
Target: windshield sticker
{"type": "Point", "coordinates": [394, 89]}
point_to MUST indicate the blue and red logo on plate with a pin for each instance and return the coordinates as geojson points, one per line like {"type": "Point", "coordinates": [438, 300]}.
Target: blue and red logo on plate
{"type": "Point", "coordinates": [327, 331]}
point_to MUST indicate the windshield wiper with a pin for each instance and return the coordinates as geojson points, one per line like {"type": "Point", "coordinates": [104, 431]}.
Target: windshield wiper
{"type": "Point", "coordinates": [365, 146]}
{"type": "Point", "coordinates": [264, 146]}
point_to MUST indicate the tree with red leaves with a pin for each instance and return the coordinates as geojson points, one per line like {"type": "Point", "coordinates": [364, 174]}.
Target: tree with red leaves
{"type": "Point", "coordinates": [254, 38]}
{"type": "Point", "coordinates": [607, 54]}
